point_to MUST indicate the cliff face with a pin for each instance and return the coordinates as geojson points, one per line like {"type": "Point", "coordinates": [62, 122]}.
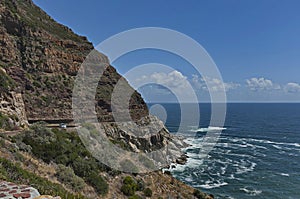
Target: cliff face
{"type": "Point", "coordinates": [43, 57]}
{"type": "Point", "coordinates": [11, 103]}
{"type": "Point", "coordinates": [39, 60]}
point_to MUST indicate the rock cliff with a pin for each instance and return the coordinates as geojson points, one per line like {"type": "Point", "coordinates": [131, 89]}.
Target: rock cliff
{"type": "Point", "coordinates": [39, 59]}
{"type": "Point", "coordinates": [43, 57]}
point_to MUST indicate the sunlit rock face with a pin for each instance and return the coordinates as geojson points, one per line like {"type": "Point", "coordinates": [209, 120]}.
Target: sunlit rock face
{"type": "Point", "coordinates": [43, 57]}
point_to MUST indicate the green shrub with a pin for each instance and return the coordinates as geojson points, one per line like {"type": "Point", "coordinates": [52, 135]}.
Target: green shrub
{"type": "Point", "coordinates": [98, 183]}
{"type": "Point", "coordinates": [14, 173]}
{"type": "Point", "coordinates": [148, 192]}
{"type": "Point", "coordinates": [7, 122]}
{"type": "Point", "coordinates": [128, 189]}
{"type": "Point", "coordinates": [84, 167]}
{"type": "Point", "coordinates": [6, 83]}
{"type": "Point", "coordinates": [135, 197]}
{"type": "Point", "coordinates": [129, 186]}
{"type": "Point", "coordinates": [4, 122]}
{"type": "Point", "coordinates": [66, 148]}
{"type": "Point", "coordinates": [128, 180]}
{"type": "Point", "coordinates": [67, 176]}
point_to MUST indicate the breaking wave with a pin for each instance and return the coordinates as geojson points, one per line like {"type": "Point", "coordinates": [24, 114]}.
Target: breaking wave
{"type": "Point", "coordinates": [208, 129]}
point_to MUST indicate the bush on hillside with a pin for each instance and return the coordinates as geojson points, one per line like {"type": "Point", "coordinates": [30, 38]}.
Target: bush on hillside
{"type": "Point", "coordinates": [98, 183]}
{"type": "Point", "coordinates": [6, 83]}
{"type": "Point", "coordinates": [67, 176]}
{"type": "Point", "coordinates": [66, 148]}
{"type": "Point", "coordinates": [135, 197]}
{"type": "Point", "coordinates": [129, 186]}
{"type": "Point", "coordinates": [148, 192]}
{"type": "Point", "coordinates": [12, 172]}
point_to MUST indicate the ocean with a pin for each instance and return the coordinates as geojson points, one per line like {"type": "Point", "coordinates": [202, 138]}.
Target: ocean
{"type": "Point", "coordinates": [257, 154]}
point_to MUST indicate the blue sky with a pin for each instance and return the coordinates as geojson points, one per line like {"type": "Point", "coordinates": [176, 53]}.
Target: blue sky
{"type": "Point", "coordinates": [255, 44]}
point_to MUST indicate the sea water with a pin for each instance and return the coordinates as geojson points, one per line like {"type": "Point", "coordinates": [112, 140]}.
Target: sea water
{"type": "Point", "coordinates": [256, 156]}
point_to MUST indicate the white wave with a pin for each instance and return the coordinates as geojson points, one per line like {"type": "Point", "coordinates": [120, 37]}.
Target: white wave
{"type": "Point", "coordinates": [231, 177]}
{"type": "Point", "coordinates": [295, 144]}
{"type": "Point", "coordinates": [223, 170]}
{"type": "Point", "coordinates": [224, 196]}
{"type": "Point", "coordinates": [242, 168]}
{"type": "Point", "coordinates": [193, 163]}
{"type": "Point", "coordinates": [277, 147]}
{"type": "Point", "coordinates": [261, 147]}
{"type": "Point", "coordinates": [253, 192]}
{"type": "Point", "coordinates": [208, 129]}
{"type": "Point", "coordinates": [285, 174]}
{"type": "Point", "coordinates": [209, 185]}
{"type": "Point", "coordinates": [188, 179]}
{"type": "Point", "coordinates": [225, 144]}
{"type": "Point", "coordinates": [230, 197]}
{"type": "Point", "coordinates": [276, 143]}
{"type": "Point", "coordinates": [175, 167]}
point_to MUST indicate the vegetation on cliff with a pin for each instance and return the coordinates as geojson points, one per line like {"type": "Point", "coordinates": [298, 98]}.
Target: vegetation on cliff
{"type": "Point", "coordinates": [14, 173]}
{"type": "Point", "coordinates": [75, 163]}
{"type": "Point", "coordinates": [39, 61]}
{"type": "Point", "coordinates": [6, 82]}
{"type": "Point", "coordinates": [79, 173]}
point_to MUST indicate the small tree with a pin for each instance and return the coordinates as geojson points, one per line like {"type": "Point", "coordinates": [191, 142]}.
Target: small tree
{"type": "Point", "coordinates": [129, 186]}
{"type": "Point", "coordinates": [148, 192]}
{"type": "Point", "coordinates": [67, 176]}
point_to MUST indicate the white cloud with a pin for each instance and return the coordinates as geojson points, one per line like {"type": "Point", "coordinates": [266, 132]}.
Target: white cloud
{"type": "Point", "coordinates": [292, 87]}
{"type": "Point", "coordinates": [171, 80]}
{"type": "Point", "coordinates": [256, 84]}
{"type": "Point", "coordinates": [175, 81]}
{"type": "Point", "coordinates": [214, 84]}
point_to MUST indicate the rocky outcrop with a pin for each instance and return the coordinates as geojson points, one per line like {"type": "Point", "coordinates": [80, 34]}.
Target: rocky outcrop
{"type": "Point", "coordinates": [133, 147]}
{"type": "Point", "coordinates": [154, 137]}
{"type": "Point", "coordinates": [39, 59]}
{"type": "Point", "coordinates": [12, 104]}
{"type": "Point", "coordinates": [43, 58]}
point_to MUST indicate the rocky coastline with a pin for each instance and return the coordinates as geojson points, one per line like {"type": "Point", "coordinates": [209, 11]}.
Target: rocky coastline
{"type": "Point", "coordinates": [39, 62]}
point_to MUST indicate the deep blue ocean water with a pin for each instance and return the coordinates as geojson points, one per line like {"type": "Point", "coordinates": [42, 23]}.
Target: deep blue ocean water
{"type": "Point", "coordinates": [256, 156]}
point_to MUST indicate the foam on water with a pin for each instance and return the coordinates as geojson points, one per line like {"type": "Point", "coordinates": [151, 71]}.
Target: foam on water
{"type": "Point", "coordinates": [285, 174]}
{"type": "Point", "coordinates": [275, 143]}
{"type": "Point", "coordinates": [245, 168]}
{"type": "Point", "coordinates": [210, 185]}
{"type": "Point", "coordinates": [257, 156]}
{"type": "Point", "coordinates": [252, 192]}
{"type": "Point", "coordinates": [208, 129]}
{"type": "Point", "coordinates": [277, 147]}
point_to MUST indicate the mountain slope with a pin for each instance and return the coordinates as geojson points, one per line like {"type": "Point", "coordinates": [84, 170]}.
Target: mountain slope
{"type": "Point", "coordinates": [43, 57]}
{"type": "Point", "coordinates": [39, 60]}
